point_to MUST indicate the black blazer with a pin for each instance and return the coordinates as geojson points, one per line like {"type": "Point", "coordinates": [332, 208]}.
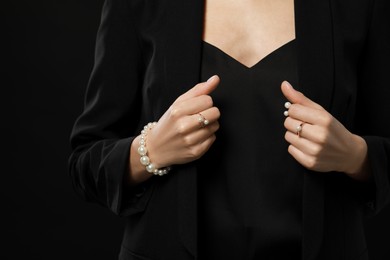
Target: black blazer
{"type": "Point", "coordinates": [148, 53]}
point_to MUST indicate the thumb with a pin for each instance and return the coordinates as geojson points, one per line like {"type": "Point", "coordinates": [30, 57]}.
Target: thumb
{"type": "Point", "coordinates": [297, 97]}
{"type": "Point", "coordinates": [203, 88]}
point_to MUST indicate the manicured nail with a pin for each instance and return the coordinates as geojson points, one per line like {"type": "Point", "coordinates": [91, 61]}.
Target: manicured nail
{"type": "Point", "coordinates": [211, 78]}
{"type": "Point", "coordinates": [288, 84]}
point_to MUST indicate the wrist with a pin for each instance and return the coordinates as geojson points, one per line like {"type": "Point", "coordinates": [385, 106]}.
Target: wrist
{"type": "Point", "coordinates": [143, 152]}
{"type": "Point", "coordinates": [137, 172]}
{"type": "Point", "coordinates": [358, 168]}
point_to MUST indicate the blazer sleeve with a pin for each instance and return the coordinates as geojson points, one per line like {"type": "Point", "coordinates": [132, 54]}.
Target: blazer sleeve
{"type": "Point", "coordinates": [102, 135]}
{"type": "Point", "coordinates": [373, 113]}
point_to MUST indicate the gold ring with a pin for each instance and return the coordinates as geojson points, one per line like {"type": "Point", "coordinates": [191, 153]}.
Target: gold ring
{"type": "Point", "coordinates": [299, 129]}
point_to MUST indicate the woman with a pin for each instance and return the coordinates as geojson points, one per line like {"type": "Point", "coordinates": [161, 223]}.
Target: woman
{"type": "Point", "coordinates": [242, 176]}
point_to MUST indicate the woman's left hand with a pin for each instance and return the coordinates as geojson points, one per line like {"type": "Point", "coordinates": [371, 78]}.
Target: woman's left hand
{"type": "Point", "coordinates": [320, 142]}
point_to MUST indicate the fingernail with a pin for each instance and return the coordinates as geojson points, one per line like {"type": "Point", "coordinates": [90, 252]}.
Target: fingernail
{"type": "Point", "coordinates": [288, 84]}
{"type": "Point", "coordinates": [211, 79]}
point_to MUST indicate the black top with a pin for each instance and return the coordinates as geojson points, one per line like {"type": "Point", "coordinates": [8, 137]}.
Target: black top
{"type": "Point", "coordinates": [250, 187]}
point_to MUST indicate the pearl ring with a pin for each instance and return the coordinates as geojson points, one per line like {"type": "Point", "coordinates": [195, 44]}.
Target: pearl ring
{"type": "Point", "coordinates": [287, 105]}
{"type": "Point", "coordinates": [202, 120]}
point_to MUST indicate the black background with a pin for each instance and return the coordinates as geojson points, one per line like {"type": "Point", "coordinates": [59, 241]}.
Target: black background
{"type": "Point", "coordinates": [47, 50]}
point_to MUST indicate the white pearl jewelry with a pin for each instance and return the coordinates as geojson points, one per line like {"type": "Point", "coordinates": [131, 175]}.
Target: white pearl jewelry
{"type": "Point", "coordinates": [299, 129]}
{"type": "Point", "coordinates": [202, 120]}
{"type": "Point", "coordinates": [143, 151]}
{"type": "Point", "coordinates": [285, 113]}
{"type": "Point", "coordinates": [287, 105]}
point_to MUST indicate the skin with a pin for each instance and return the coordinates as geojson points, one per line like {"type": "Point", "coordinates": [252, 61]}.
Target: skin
{"type": "Point", "coordinates": [265, 26]}
{"type": "Point", "coordinates": [178, 138]}
{"type": "Point", "coordinates": [324, 144]}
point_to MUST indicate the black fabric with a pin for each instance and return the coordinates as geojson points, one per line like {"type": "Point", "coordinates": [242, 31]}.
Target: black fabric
{"type": "Point", "coordinates": [149, 53]}
{"type": "Point", "coordinates": [250, 188]}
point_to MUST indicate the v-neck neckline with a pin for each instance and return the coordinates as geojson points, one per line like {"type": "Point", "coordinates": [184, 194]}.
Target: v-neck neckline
{"type": "Point", "coordinates": [258, 63]}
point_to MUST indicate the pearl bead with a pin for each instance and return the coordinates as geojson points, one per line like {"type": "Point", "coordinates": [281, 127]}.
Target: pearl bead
{"type": "Point", "coordinates": [144, 160]}
{"type": "Point", "coordinates": [287, 105]}
{"type": "Point", "coordinates": [285, 113]}
{"type": "Point", "coordinates": [142, 150]}
{"type": "Point", "coordinates": [150, 168]}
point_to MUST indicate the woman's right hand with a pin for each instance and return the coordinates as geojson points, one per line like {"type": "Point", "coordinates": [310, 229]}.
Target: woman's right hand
{"type": "Point", "coordinates": [178, 137]}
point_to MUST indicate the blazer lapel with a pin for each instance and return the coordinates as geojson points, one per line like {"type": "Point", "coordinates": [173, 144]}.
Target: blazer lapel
{"type": "Point", "coordinates": [314, 37]}
{"type": "Point", "coordinates": [182, 65]}
{"type": "Point", "coordinates": [183, 43]}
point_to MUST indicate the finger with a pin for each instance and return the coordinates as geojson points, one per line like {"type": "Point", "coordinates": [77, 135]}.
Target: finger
{"type": "Point", "coordinates": [309, 115]}
{"type": "Point", "coordinates": [297, 97]}
{"type": "Point", "coordinates": [313, 133]}
{"type": "Point", "coordinates": [292, 126]}
{"type": "Point", "coordinates": [211, 115]}
{"type": "Point", "coordinates": [205, 145]}
{"type": "Point", "coordinates": [194, 122]}
{"type": "Point", "coordinates": [304, 145]}
{"type": "Point", "coordinates": [193, 105]}
{"type": "Point", "coordinates": [304, 159]}
{"type": "Point", "coordinates": [203, 88]}
{"type": "Point", "coordinates": [200, 135]}
{"type": "Point", "coordinates": [308, 161]}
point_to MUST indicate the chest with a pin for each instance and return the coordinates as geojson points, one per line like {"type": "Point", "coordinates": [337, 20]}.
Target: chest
{"type": "Point", "coordinates": [329, 36]}
{"type": "Point", "coordinates": [249, 30]}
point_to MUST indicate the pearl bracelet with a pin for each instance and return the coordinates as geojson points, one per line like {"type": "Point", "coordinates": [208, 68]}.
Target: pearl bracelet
{"type": "Point", "coordinates": [143, 152]}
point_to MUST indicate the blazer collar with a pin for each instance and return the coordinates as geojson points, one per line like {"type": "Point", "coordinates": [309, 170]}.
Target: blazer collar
{"type": "Point", "coordinates": [314, 36]}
